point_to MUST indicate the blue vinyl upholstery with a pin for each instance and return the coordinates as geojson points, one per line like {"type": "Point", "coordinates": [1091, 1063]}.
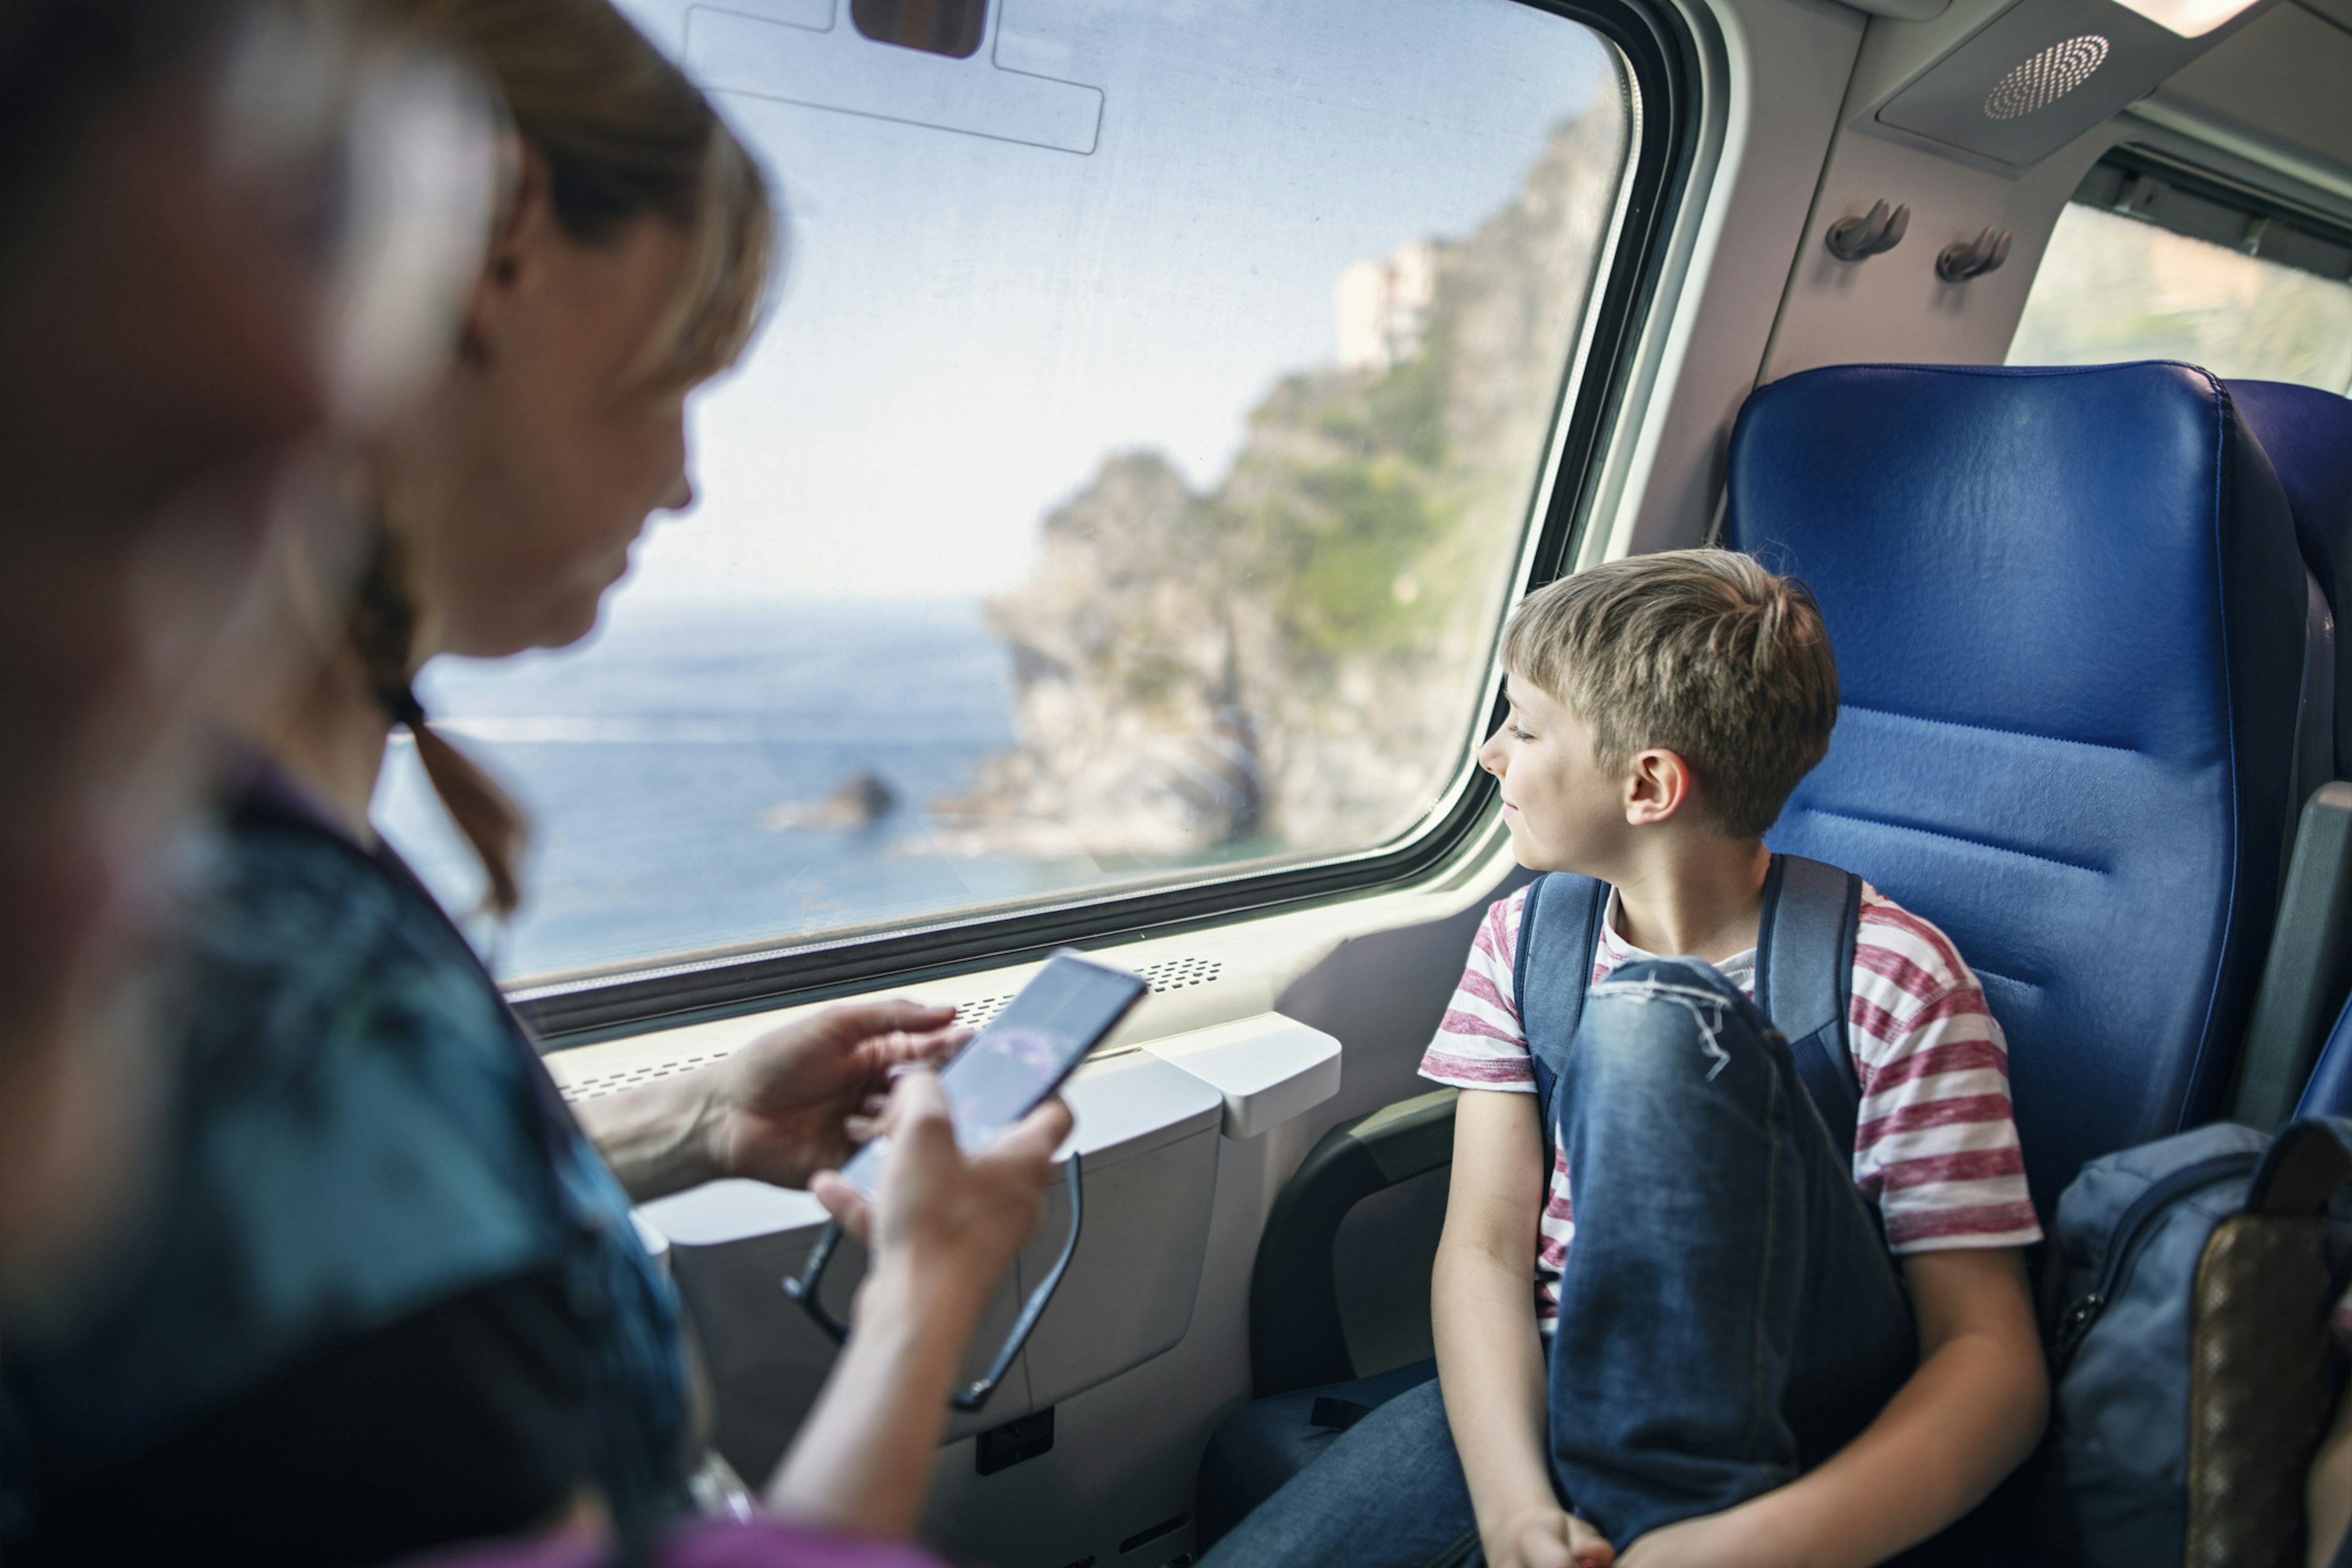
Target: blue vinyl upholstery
{"type": "Point", "coordinates": [2069, 617]}
{"type": "Point", "coordinates": [2329, 1092]}
{"type": "Point", "coordinates": [2308, 434]}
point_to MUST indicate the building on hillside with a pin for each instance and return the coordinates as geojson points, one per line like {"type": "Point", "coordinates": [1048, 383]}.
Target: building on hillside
{"type": "Point", "coordinates": [1383, 306]}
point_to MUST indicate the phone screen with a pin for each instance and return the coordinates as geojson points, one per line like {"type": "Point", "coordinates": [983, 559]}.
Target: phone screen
{"type": "Point", "coordinates": [1022, 1056]}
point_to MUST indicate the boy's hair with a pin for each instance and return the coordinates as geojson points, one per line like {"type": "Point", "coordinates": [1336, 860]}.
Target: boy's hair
{"type": "Point", "coordinates": [1703, 652]}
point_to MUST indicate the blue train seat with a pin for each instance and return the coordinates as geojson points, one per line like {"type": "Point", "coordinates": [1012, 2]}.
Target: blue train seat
{"type": "Point", "coordinates": [2308, 435]}
{"type": "Point", "coordinates": [2070, 618]}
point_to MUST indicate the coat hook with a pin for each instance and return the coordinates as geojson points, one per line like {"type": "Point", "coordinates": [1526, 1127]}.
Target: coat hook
{"type": "Point", "coordinates": [1966, 258]}
{"type": "Point", "coordinates": [1854, 238]}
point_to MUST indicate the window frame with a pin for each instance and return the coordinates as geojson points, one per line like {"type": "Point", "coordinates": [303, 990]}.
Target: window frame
{"type": "Point", "coordinates": [2139, 165]}
{"type": "Point", "coordinates": [1662, 57]}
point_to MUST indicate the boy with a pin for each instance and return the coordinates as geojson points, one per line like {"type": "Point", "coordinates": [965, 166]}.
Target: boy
{"type": "Point", "coordinates": [1716, 1362]}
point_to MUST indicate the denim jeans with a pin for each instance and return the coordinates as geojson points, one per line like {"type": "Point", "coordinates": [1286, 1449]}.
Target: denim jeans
{"type": "Point", "coordinates": [1730, 1315]}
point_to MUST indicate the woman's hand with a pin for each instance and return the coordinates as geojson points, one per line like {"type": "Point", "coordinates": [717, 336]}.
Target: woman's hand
{"type": "Point", "coordinates": [1549, 1537]}
{"type": "Point", "coordinates": [798, 1100]}
{"type": "Point", "coordinates": [944, 1228]}
{"type": "Point", "coordinates": [793, 1102]}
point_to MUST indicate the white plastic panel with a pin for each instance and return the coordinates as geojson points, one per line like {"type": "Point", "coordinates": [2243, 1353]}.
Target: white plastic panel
{"type": "Point", "coordinates": [1147, 1135]}
{"type": "Point", "coordinates": [732, 1244]}
{"type": "Point", "coordinates": [1269, 1068]}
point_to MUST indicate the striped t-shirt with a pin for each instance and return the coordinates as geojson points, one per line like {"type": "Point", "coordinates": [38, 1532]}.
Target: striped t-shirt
{"type": "Point", "coordinates": [1935, 1148]}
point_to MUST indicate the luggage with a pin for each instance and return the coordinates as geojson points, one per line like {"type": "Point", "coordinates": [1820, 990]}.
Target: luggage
{"type": "Point", "coordinates": [2186, 1302]}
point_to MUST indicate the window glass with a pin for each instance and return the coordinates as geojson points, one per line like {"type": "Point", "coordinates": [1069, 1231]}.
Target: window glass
{"type": "Point", "coordinates": [1127, 487]}
{"type": "Point", "coordinates": [2114, 288]}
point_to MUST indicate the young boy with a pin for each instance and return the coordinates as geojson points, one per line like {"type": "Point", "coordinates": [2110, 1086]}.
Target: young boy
{"type": "Point", "coordinates": [1739, 1344]}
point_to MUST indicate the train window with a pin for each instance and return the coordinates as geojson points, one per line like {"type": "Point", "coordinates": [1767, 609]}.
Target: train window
{"type": "Point", "coordinates": [1125, 494]}
{"type": "Point", "coordinates": [2151, 261]}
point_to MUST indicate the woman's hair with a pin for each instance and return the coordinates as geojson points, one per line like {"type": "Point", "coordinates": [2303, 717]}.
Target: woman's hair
{"type": "Point", "coordinates": [623, 136]}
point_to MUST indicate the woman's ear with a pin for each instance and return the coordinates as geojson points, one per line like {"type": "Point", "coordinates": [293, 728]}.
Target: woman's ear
{"type": "Point", "coordinates": [514, 260]}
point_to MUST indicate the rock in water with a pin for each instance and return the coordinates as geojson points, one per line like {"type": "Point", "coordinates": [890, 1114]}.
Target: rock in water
{"type": "Point", "coordinates": [862, 801]}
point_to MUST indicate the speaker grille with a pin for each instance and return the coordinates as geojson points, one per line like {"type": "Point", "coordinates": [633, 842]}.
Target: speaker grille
{"type": "Point", "coordinates": [2044, 79]}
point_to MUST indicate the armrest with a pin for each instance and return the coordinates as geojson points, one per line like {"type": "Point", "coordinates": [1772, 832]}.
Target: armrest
{"type": "Point", "coordinates": [1296, 1338]}
{"type": "Point", "coordinates": [2309, 968]}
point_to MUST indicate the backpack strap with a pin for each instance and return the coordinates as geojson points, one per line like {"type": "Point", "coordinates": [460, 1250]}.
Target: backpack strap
{"type": "Point", "coordinates": [2302, 1167]}
{"type": "Point", "coordinates": [1804, 980]}
{"type": "Point", "coordinates": [1563, 913]}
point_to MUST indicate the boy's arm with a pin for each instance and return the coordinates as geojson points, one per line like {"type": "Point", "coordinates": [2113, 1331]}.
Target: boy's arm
{"type": "Point", "coordinates": [1968, 1416]}
{"type": "Point", "coordinates": [1490, 1356]}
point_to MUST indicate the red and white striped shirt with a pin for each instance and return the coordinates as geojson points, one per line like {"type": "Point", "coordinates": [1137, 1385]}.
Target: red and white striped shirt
{"type": "Point", "coordinates": [1936, 1149]}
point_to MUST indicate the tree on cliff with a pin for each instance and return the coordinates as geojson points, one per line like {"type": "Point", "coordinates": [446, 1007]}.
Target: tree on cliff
{"type": "Point", "coordinates": [1288, 662]}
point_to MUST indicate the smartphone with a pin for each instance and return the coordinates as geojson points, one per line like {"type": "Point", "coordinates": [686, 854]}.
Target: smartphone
{"type": "Point", "coordinates": [1003, 1072]}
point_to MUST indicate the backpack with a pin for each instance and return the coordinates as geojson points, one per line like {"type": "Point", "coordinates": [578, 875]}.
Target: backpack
{"type": "Point", "coordinates": [2185, 1308]}
{"type": "Point", "coordinates": [1804, 978]}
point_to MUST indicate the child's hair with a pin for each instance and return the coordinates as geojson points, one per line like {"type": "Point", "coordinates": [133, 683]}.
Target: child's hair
{"type": "Point", "coordinates": [1703, 652]}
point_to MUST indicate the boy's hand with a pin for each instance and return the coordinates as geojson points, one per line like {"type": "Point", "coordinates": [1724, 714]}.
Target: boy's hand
{"type": "Point", "coordinates": [1548, 1538]}
{"type": "Point", "coordinates": [1737, 1537]}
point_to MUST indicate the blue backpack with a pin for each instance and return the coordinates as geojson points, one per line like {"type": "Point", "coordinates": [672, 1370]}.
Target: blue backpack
{"type": "Point", "coordinates": [1804, 978]}
{"type": "Point", "coordinates": [2184, 1303]}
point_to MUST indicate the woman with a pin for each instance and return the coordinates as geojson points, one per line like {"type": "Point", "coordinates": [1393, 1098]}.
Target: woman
{"type": "Point", "coordinates": [391, 1296]}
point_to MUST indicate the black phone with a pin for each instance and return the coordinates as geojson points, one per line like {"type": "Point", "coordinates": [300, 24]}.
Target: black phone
{"type": "Point", "coordinates": [1024, 1055]}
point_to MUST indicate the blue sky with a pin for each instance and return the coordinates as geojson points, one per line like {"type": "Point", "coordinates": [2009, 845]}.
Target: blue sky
{"type": "Point", "coordinates": [968, 325]}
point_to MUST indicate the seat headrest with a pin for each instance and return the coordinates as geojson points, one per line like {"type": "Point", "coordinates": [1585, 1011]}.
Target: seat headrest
{"type": "Point", "coordinates": [2068, 616]}
{"type": "Point", "coordinates": [2308, 434]}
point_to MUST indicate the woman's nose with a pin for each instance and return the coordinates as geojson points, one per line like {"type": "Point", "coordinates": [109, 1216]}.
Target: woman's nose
{"type": "Point", "coordinates": [681, 495]}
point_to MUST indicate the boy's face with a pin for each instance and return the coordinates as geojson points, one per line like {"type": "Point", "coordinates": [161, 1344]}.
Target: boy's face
{"type": "Point", "coordinates": [1564, 813]}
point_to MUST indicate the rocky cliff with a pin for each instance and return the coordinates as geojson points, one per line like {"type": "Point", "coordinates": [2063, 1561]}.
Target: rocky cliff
{"type": "Point", "coordinates": [1289, 661]}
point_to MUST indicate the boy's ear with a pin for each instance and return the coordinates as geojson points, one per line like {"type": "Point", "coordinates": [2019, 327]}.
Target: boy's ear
{"type": "Point", "coordinates": [1657, 786]}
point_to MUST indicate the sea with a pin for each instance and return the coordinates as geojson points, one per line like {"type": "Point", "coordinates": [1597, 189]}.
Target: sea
{"type": "Point", "coordinates": [675, 768]}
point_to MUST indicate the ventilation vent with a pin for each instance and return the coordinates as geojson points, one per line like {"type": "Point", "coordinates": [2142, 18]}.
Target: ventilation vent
{"type": "Point", "coordinates": [1179, 973]}
{"type": "Point", "coordinates": [613, 1083]}
{"type": "Point", "coordinates": [2043, 79]}
{"type": "Point", "coordinates": [1174, 975]}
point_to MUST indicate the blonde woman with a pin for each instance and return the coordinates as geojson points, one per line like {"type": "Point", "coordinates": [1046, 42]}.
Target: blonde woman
{"type": "Point", "coordinates": [389, 1296]}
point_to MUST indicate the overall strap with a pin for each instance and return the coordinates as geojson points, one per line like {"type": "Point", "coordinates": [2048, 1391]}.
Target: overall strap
{"type": "Point", "coordinates": [1804, 980]}
{"type": "Point", "coordinates": [1563, 913]}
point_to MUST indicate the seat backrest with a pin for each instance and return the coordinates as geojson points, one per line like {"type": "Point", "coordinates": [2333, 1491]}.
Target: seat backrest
{"type": "Point", "coordinates": [2069, 619]}
{"type": "Point", "coordinates": [2308, 435]}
